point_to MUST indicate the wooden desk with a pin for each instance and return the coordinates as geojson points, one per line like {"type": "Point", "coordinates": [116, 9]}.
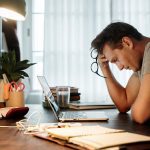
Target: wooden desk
{"type": "Point", "coordinates": [12, 139]}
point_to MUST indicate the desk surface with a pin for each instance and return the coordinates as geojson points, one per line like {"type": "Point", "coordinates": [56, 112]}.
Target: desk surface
{"type": "Point", "coordinates": [11, 138]}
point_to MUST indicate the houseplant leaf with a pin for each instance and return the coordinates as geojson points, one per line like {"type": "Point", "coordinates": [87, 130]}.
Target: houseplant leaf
{"type": "Point", "coordinates": [13, 70]}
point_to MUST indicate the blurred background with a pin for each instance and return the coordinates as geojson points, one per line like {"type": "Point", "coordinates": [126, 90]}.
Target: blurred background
{"type": "Point", "coordinates": [57, 35]}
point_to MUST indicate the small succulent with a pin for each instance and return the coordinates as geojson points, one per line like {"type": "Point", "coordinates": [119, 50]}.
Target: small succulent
{"type": "Point", "coordinates": [13, 69]}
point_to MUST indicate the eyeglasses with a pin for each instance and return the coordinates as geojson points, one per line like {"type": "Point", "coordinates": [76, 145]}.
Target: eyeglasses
{"type": "Point", "coordinates": [94, 65]}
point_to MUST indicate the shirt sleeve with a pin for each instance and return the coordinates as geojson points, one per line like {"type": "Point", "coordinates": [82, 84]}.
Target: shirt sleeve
{"type": "Point", "coordinates": [135, 74]}
{"type": "Point", "coordinates": [146, 62]}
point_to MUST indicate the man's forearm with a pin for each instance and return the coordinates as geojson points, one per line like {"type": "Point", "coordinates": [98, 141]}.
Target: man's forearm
{"type": "Point", "coordinates": [116, 91]}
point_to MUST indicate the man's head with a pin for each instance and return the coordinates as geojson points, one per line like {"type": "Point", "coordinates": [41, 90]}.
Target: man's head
{"type": "Point", "coordinates": [113, 34]}
{"type": "Point", "coordinates": [117, 42]}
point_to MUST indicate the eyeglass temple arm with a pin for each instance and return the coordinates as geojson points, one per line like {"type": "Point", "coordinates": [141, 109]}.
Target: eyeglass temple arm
{"type": "Point", "coordinates": [98, 73]}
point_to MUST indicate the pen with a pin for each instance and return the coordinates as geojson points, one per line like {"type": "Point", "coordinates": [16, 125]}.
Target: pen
{"type": "Point", "coordinates": [6, 86]}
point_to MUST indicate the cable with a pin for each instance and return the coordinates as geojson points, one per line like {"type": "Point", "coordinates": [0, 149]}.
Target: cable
{"type": "Point", "coordinates": [31, 124]}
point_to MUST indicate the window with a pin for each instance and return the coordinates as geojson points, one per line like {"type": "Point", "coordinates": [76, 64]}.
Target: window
{"type": "Point", "coordinates": [57, 36]}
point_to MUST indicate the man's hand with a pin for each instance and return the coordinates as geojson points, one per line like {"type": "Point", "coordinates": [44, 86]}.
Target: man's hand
{"type": "Point", "coordinates": [102, 61]}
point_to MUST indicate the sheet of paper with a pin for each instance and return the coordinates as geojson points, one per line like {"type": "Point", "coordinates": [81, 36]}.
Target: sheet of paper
{"type": "Point", "coordinates": [66, 133]}
{"type": "Point", "coordinates": [94, 142]}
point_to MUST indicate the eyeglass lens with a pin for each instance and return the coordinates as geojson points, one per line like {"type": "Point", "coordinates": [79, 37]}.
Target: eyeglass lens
{"type": "Point", "coordinates": [94, 54]}
{"type": "Point", "coordinates": [94, 65]}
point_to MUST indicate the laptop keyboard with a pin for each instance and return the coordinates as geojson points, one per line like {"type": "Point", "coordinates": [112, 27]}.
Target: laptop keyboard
{"type": "Point", "coordinates": [73, 115]}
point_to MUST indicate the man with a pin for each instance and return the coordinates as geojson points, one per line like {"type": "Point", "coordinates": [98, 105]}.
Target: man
{"type": "Point", "coordinates": [121, 44]}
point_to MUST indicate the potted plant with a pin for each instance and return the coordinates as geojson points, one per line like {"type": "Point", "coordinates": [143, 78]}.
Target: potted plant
{"type": "Point", "coordinates": [13, 69]}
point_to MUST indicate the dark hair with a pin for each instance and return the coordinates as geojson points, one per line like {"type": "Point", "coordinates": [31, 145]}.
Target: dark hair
{"type": "Point", "coordinates": [113, 34]}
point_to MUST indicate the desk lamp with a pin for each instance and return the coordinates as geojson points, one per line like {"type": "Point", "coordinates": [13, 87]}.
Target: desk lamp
{"type": "Point", "coordinates": [11, 9]}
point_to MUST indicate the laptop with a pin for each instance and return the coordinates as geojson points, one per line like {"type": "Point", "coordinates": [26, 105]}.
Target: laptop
{"type": "Point", "coordinates": [69, 115]}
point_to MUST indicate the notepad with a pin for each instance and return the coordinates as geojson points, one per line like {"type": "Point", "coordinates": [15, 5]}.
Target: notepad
{"type": "Point", "coordinates": [66, 133]}
{"type": "Point", "coordinates": [94, 142]}
{"type": "Point", "coordinates": [91, 137]}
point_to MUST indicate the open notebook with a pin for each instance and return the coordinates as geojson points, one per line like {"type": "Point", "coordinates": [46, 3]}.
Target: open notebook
{"type": "Point", "coordinates": [91, 137]}
{"type": "Point", "coordinates": [69, 115]}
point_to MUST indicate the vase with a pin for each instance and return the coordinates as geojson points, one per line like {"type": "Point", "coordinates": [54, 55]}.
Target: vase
{"type": "Point", "coordinates": [16, 99]}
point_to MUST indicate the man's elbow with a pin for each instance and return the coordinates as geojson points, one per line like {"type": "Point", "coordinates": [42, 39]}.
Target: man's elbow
{"type": "Point", "coordinates": [123, 109]}
{"type": "Point", "coordinates": [138, 117]}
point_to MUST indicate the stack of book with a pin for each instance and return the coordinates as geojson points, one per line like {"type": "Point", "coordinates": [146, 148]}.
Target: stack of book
{"type": "Point", "coordinates": [74, 93]}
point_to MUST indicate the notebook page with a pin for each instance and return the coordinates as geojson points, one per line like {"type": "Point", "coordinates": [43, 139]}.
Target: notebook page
{"type": "Point", "coordinates": [66, 133]}
{"type": "Point", "coordinates": [94, 142]}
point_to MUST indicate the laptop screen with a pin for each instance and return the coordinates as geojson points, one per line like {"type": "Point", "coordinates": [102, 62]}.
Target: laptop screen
{"type": "Point", "coordinates": [49, 95]}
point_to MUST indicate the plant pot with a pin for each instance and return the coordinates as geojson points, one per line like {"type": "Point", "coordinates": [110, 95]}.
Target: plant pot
{"type": "Point", "coordinates": [16, 99]}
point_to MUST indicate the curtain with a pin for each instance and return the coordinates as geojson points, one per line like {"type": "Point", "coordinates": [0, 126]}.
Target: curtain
{"type": "Point", "coordinates": [69, 28]}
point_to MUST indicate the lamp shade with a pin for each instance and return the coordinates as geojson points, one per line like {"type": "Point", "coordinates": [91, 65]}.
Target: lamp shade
{"type": "Point", "coordinates": [13, 9]}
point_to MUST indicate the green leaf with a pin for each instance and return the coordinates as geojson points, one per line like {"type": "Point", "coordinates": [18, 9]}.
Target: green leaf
{"type": "Point", "coordinates": [23, 73]}
{"type": "Point", "coordinates": [13, 70]}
